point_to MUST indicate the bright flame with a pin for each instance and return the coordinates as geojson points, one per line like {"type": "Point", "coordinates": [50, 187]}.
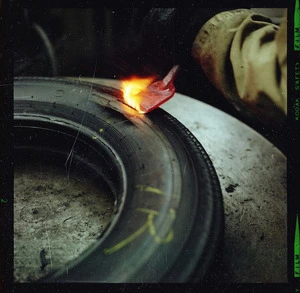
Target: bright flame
{"type": "Point", "coordinates": [131, 89]}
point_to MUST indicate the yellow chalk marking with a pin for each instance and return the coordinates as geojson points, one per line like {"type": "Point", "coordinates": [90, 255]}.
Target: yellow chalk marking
{"type": "Point", "coordinates": [153, 190]}
{"type": "Point", "coordinates": [147, 211]}
{"type": "Point", "coordinates": [108, 122]}
{"type": "Point", "coordinates": [126, 241]}
{"type": "Point", "coordinates": [152, 229]}
{"type": "Point", "coordinates": [149, 225]}
{"type": "Point", "coordinates": [149, 189]}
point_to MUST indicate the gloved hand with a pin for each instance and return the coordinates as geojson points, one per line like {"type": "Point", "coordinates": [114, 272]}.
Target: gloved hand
{"type": "Point", "coordinates": [244, 56]}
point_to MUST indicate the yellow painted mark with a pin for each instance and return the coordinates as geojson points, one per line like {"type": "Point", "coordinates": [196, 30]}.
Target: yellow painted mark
{"type": "Point", "coordinates": [94, 137]}
{"type": "Point", "coordinates": [173, 213]}
{"type": "Point", "coordinates": [101, 130]}
{"type": "Point", "coordinates": [152, 229]}
{"type": "Point", "coordinates": [147, 211]}
{"type": "Point", "coordinates": [167, 239]}
{"type": "Point", "coordinates": [126, 241]}
{"type": "Point", "coordinates": [149, 225]}
{"type": "Point", "coordinates": [153, 190]}
{"type": "Point", "coordinates": [149, 189]}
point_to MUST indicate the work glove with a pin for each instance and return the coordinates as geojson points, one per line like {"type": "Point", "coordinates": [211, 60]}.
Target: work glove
{"type": "Point", "coordinates": [244, 55]}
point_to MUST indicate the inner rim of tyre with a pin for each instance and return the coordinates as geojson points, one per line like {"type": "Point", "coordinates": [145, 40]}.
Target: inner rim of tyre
{"type": "Point", "coordinates": [81, 155]}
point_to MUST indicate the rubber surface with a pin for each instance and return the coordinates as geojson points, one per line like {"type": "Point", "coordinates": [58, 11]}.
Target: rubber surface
{"type": "Point", "coordinates": [169, 211]}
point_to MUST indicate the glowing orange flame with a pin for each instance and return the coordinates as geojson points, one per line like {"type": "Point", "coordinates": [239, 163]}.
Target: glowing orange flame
{"type": "Point", "coordinates": [131, 89]}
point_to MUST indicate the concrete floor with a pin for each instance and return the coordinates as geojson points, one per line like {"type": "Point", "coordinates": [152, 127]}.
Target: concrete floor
{"type": "Point", "coordinates": [54, 220]}
{"type": "Point", "coordinates": [253, 178]}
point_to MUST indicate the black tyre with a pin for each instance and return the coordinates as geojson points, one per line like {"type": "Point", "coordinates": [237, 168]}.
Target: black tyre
{"type": "Point", "coordinates": [169, 211]}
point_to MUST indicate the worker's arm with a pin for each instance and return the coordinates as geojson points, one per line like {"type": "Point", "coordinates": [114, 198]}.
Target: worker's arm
{"type": "Point", "coordinates": [244, 56]}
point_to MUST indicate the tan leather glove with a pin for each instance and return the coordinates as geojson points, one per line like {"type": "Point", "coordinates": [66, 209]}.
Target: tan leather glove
{"type": "Point", "coordinates": [244, 55]}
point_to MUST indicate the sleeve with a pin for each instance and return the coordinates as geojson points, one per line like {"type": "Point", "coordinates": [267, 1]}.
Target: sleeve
{"type": "Point", "coordinates": [244, 55]}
